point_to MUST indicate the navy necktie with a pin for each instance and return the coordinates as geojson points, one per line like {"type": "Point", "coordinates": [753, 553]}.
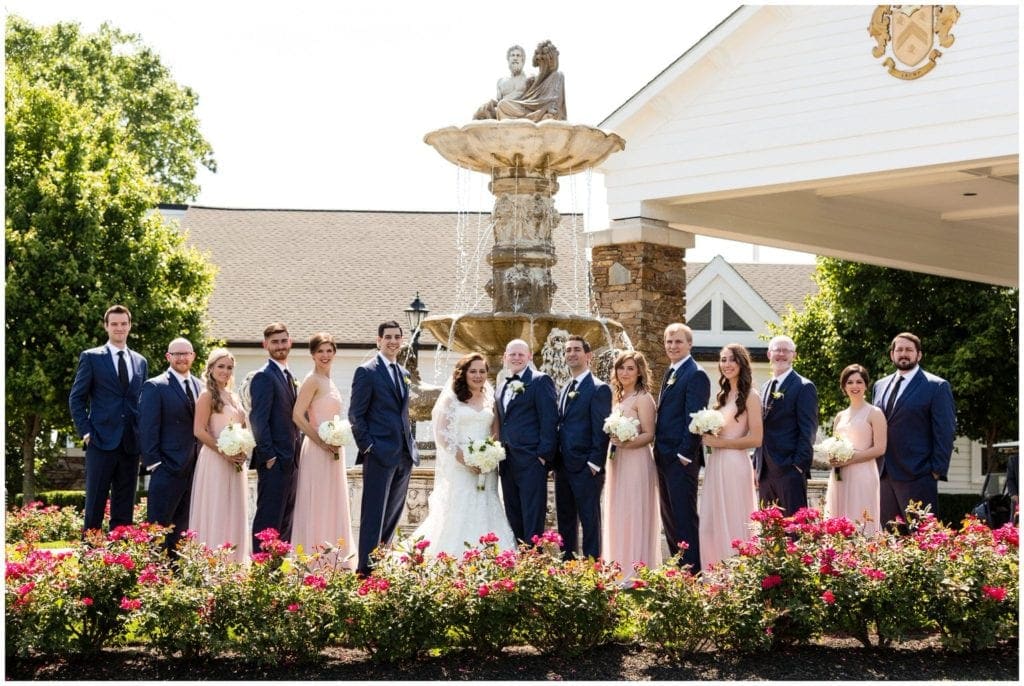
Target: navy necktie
{"type": "Point", "coordinates": [122, 370]}
{"type": "Point", "coordinates": [891, 402]}
{"type": "Point", "coordinates": [190, 395]}
{"type": "Point", "coordinates": [565, 398]}
{"type": "Point", "coordinates": [397, 379]}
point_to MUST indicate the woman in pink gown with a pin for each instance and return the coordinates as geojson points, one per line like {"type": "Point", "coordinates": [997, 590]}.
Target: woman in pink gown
{"type": "Point", "coordinates": [728, 496]}
{"type": "Point", "coordinates": [218, 511]}
{"type": "Point", "coordinates": [853, 487]}
{"type": "Point", "coordinates": [322, 520]}
{"type": "Point", "coordinates": [631, 530]}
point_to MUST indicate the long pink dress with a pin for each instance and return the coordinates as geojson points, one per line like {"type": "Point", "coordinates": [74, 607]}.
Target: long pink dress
{"type": "Point", "coordinates": [728, 496]}
{"type": "Point", "coordinates": [220, 495]}
{"type": "Point", "coordinates": [631, 531]}
{"type": "Point", "coordinates": [321, 495]}
{"type": "Point", "coordinates": [856, 495]}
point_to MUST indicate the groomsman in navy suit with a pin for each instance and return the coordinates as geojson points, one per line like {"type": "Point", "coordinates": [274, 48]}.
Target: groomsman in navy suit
{"type": "Point", "coordinates": [528, 419]}
{"type": "Point", "coordinates": [678, 454]}
{"type": "Point", "coordinates": [922, 424]}
{"type": "Point", "coordinates": [272, 392]}
{"type": "Point", "coordinates": [789, 405]}
{"type": "Point", "coordinates": [167, 408]}
{"type": "Point", "coordinates": [379, 415]}
{"type": "Point", "coordinates": [583, 405]}
{"type": "Point", "coordinates": [104, 402]}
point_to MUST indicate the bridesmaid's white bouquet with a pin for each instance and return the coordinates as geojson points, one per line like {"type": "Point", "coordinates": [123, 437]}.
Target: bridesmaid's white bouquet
{"type": "Point", "coordinates": [235, 439]}
{"type": "Point", "coordinates": [621, 427]}
{"type": "Point", "coordinates": [707, 422]}
{"type": "Point", "coordinates": [484, 454]}
{"type": "Point", "coordinates": [336, 432]}
{"type": "Point", "coordinates": [837, 449]}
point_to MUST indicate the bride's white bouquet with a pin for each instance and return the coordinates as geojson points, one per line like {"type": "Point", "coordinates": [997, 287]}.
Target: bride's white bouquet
{"type": "Point", "coordinates": [837, 449]}
{"type": "Point", "coordinates": [235, 439]}
{"type": "Point", "coordinates": [621, 427]}
{"type": "Point", "coordinates": [336, 432]}
{"type": "Point", "coordinates": [484, 454]}
{"type": "Point", "coordinates": [707, 422]}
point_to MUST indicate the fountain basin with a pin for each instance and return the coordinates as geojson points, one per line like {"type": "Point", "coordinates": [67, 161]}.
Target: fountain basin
{"type": "Point", "coordinates": [488, 332]}
{"type": "Point", "coordinates": [548, 147]}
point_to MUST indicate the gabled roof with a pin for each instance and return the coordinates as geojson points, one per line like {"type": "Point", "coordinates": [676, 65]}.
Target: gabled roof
{"type": "Point", "coordinates": [346, 271]}
{"type": "Point", "coordinates": [780, 285]}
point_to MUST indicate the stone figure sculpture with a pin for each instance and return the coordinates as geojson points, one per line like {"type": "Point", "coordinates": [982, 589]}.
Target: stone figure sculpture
{"type": "Point", "coordinates": [512, 86]}
{"type": "Point", "coordinates": [544, 94]}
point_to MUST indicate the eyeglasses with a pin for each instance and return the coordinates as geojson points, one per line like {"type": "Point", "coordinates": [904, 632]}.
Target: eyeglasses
{"type": "Point", "coordinates": [781, 350]}
{"type": "Point", "coordinates": [185, 354]}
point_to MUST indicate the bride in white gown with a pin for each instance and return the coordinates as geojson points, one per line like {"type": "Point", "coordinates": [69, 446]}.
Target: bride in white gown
{"type": "Point", "coordinates": [459, 512]}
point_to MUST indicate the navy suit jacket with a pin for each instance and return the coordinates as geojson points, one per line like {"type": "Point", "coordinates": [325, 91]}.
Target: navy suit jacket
{"type": "Point", "coordinates": [790, 425]}
{"type": "Point", "coordinates": [529, 427]}
{"type": "Point", "coordinates": [690, 393]}
{"type": "Point", "coordinates": [581, 436]}
{"type": "Point", "coordinates": [99, 407]}
{"type": "Point", "coordinates": [165, 424]}
{"type": "Point", "coordinates": [921, 428]}
{"type": "Point", "coordinates": [271, 415]}
{"type": "Point", "coordinates": [379, 416]}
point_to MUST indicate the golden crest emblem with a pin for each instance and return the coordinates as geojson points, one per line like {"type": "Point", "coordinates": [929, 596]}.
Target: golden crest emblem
{"type": "Point", "coordinates": [907, 35]}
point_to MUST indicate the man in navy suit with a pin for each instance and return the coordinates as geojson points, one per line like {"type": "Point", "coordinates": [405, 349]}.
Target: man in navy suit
{"type": "Point", "coordinates": [528, 419]}
{"type": "Point", "coordinates": [583, 405]}
{"type": "Point", "coordinates": [167, 408]}
{"type": "Point", "coordinates": [922, 424]}
{"type": "Point", "coordinates": [789, 405]}
{"type": "Point", "coordinates": [678, 454]}
{"type": "Point", "coordinates": [379, 414]}
{"type": "Point", "coordinates": [272, 391]}
{"type": "Point", "coordinates": [104, 402]}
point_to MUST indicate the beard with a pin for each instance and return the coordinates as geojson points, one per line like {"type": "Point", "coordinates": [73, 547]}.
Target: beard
{"type": "Point", "coordinates": [904, 364]}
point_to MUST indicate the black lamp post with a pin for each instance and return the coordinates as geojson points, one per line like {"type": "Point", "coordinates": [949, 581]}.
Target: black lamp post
{"type": "Point", "coordinates": [417, 312]}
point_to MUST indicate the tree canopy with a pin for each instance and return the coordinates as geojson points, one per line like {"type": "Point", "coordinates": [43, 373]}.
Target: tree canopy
{"type": "Point", "coordinates": [968, 332]}
{"type": "Point", "coordinates": [93, 144]}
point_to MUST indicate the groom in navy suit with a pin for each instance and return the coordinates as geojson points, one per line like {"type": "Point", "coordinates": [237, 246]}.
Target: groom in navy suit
{"type": "Point", "coordinates": [104, 402]}
{"type": "Point", "coordinates": [922, 424]}
{"type": "Point", "coordinates": [528, 419]}
{"type": "Point", "coordinates": [678, 454]}
{"type": "Point", "coordinates": [167, 408]}
{"type": "Point", "coordinates": [789, 405]}
{"type": "Point", "coordinates": [583, 405]}
{"type": "Point", "coordinates": [272, 391]}
{"type": "Point", "coordinates": [379, 415]}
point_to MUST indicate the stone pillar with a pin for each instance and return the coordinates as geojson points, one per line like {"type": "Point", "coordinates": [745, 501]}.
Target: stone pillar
{"type": "Point", "coordinates": [639, 278]}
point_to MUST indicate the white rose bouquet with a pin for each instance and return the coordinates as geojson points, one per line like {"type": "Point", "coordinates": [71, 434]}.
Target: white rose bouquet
{"type": "Point", "coordinates": [484, 454]}
{"type": "Point", "coordinates": [621, 427]}
{"type": "Point", "coordinates": [235, 439]}
{"type": "Point", "coordinates": [707, 422]}
{"type": "Point", "coordinates": [335, 432]}
{"type": "Point", "coordinates": [838, 450]}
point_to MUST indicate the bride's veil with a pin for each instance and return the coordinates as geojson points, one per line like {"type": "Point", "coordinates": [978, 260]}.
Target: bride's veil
{"type": "Point", "coordinates": [445, 426]}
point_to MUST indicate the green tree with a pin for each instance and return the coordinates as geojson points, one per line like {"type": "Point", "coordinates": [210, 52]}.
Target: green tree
{"type": "Point", "coordinates": [85, 165]}
{"type": "Point", "coordinates": [968, 332]}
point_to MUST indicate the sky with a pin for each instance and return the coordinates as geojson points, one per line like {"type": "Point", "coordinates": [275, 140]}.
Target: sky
{"type": "Point", "coordinates": [313, 104]}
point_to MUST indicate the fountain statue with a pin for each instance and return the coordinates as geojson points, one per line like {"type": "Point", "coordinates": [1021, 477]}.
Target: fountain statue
{"type": "Point", "coordinates": [525, 147]}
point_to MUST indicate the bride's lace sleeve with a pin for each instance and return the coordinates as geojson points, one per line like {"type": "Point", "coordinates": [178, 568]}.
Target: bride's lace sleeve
{"type": "Point", "coordinates": [443, 420]}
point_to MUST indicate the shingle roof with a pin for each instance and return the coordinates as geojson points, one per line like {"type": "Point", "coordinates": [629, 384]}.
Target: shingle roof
{"type": "Point", "coordinates": [780, 285]}
{"type": "Point", "coordinates": [346, 271]}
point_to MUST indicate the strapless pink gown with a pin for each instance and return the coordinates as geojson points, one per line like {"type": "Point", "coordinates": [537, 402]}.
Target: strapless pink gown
{"type": "Point", "coordinates": [631, 531]}
{"type": "Point", "coordinates": [856, 496]}
{"type": "Point", "coordinates": [321, 496]}
{"type": "Point", "coordinates": [218, 511]}
{"type": "Point", "coordinates": [728, 496]}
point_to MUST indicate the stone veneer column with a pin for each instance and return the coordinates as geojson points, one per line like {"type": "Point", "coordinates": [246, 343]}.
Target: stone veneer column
{"type": "Point", "coordinates": [639, 278]}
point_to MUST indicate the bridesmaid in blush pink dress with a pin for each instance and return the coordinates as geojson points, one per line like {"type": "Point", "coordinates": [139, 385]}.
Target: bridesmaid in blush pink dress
{"type": "Point", "coordinates": [220, 488]}
{"type": "Point", "coordinates": [729, 496]}
{"type": "Point", "coordinates": [853, 487]}
{"type": "Point", "coordinates": [631, 531]}
{"type": "Point", "coordinates": [322, 516]}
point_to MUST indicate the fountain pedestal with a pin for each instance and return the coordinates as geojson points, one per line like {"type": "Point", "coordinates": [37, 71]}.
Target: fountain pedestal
{"type": "Point", "coordinates": [524, 161]}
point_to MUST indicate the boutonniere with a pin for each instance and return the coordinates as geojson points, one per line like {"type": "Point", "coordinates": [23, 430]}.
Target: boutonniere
{"type": "Point", "coordinates": [517, 387]}
{"type": "Point", "coordinates": [407, 380]}
{"type": "Point", "coordinates": [572, 394]}
{"type": "Point", "coordinates": [671, 379]}
{"type": "Point", "coordinates": [777, 394]}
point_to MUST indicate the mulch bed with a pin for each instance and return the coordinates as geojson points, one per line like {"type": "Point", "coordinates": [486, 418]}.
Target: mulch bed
{"type": "Point", "coordinates": [825, 660]}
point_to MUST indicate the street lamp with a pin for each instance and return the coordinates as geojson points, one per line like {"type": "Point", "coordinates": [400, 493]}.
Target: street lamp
{"type": "Point", "coordinates": [417, 312]}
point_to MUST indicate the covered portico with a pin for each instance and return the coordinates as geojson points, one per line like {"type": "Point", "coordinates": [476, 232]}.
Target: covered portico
{"type": "Point", "coordinates": [782, 128]}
